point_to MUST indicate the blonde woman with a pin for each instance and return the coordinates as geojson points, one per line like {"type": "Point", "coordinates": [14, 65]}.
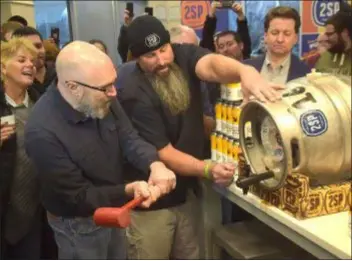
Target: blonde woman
{"type": "Point", "coordinates": [20, 209]}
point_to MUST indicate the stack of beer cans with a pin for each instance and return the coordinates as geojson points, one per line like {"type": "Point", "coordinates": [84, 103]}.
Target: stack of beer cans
{"type": "Point", "coordinates": [225, 145]}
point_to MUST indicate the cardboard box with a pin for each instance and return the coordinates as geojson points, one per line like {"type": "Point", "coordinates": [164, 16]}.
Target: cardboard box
{"type": "Point", "coordinates": [301, 201]}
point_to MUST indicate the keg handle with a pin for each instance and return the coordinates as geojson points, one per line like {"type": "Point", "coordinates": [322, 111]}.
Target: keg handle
{"type": "Point", "coordinates": [248, 178]}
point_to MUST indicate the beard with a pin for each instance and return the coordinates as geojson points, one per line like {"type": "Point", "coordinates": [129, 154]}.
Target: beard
{"type": "Point", "coordinates": [172, 89]}
{"type": "Point", "coordinates": [93, 108]}
{"type": "Point", "coordinates": [337, 48]}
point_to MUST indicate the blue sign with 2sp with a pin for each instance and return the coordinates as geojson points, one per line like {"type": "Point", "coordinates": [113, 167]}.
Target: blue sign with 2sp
{"type": "Point", "coordinates": [323, 10]}
{"type": "Point", "coordinates": [314, 123]}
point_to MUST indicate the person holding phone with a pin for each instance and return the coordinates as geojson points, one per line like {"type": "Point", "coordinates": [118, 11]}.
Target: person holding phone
{"type": "Point", "coordinates": [55, 36]}
{"type": "Point", "coordinates": [122, 46]}
{"type": "Point", "coordinates": [20, 209]}
{"type": "Point", "coordinates": [233, 44]}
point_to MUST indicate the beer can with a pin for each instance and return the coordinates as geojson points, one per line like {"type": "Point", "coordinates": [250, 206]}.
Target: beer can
{"type": "Point", "coordinates": [236, 153]}
{"type": "Point", "coordinates": [219, 147]}
{"type": "Point", "coordinates": [230, 145]}
{"type": "Point", "coordinates": [218, 118]}
{"type": "Point", "coordinates": [236, 118]}
{"type": "Point", "coordinates": [225, 141]}
{"type": "Point", "coordinates": [213, 138]}
{"type": "Point", "coordinates": [234, 91]}
{"type": "Point", "coordinates": [224, 117]}
{"type": "Point", "coordinates": [230, 122]}
{"type": "Point", "coordinates": [223, 91]}
{"type": "Point", "coordinates": [236, 147]}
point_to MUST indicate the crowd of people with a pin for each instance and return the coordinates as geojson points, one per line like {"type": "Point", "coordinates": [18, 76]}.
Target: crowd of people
{"type": "Point", "coordinates": [78, 134]}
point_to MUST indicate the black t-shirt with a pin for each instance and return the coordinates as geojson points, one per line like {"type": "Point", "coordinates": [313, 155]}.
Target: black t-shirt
{"type": "Point", "coordinates": [158, 126]}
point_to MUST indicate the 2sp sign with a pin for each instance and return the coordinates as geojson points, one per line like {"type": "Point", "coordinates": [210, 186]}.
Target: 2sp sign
{"type": "Point", "coordinates": [194, 13]}
{"type": "Point", "coordinates": [323, 10]}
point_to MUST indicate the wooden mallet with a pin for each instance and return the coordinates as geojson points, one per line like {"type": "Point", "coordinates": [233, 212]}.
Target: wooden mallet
{"type": "Point", "coordinates": [116, 217]}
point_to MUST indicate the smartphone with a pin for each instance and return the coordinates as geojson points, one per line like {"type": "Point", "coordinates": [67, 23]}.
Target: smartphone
{"type": "Point", "coordinates": [149, 10]}
{"type": "Point", "coordinates": [129, 8]}
{"type": "Point", "coordinates": [55, 33]}
{"type": "Point", "coordinates": [227, 4]}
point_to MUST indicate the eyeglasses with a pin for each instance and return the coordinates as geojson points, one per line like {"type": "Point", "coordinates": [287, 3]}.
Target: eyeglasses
{"type": "Point", "coordinates": [105, 89]}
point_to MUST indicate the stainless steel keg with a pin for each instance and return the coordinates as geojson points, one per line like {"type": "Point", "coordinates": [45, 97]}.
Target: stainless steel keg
{"type": "Point", "coordinates": [307, 132]}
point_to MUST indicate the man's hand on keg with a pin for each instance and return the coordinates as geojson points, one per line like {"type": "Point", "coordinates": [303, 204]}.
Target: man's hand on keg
{"type": "Point", "coordinates": [162, 177]}
{"type": "Point", "coordinates": [253, 83]}
{"type": "Point", "coordinates": [223, 173]}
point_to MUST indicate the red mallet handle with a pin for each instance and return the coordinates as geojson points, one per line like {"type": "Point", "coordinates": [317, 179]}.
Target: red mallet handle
{"type": "Point", "coordinates": [116, 217]}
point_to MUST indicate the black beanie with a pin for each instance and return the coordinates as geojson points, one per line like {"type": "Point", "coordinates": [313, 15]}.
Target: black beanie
{"type": "Point", "coordinates": [145, 34]}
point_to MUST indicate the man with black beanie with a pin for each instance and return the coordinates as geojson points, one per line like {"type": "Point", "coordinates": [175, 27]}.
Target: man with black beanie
{"type": "Point", "coordinates": [162, 97]}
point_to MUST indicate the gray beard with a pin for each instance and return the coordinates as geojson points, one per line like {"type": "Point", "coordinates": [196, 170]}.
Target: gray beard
{"type": "Point", "coordinates": [173, 89]}
{"type": "Point", "coordinates": [91, 112]}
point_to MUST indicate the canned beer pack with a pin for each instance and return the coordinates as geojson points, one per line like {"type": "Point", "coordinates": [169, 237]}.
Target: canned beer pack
{"type": "Point", "coordinates": [227, 115]}
{"type": "Point", "coordinates": [224, 149]}
{"type": "Point", "coordinates": [225, 145]}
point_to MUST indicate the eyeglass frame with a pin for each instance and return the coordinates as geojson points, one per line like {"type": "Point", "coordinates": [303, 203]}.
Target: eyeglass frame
{"type": "Point", "coordinates": [103, 88]}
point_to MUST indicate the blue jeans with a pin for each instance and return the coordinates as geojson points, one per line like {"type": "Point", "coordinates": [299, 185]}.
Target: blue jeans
{"type": "Point", "coordinates": [80, 238]}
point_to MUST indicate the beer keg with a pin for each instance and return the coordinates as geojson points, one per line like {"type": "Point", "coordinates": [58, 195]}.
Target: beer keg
{"type": "Point", "coordinates": [307, 132]}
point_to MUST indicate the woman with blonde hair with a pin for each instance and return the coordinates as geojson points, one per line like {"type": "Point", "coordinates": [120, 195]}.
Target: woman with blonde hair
{"type": "Point", "coordinates": [20, 209]}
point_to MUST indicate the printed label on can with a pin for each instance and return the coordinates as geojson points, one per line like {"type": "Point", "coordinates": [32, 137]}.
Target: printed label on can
{"type": "Point", "coordinates": [224, 149]}
{"type": "Point", "coordinates": [314, 123]}
{"type": "Point", "coordinates": [218, 125]}
{"type": "Point", "coordinates": [218, 110]}
{"type": "Point", "coordinates": [219, 148]}
{"type": "Point", "coordinates": [235, 93]}
{"type": "Point", "coordinates": [236, 131]}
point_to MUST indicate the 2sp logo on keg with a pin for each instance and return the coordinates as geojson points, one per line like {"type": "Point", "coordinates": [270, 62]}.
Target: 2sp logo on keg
{"type": "Point", "coordinates": [323, 10]}
{"type": "Point", "coordinates": [194, 13]}
{"type": "Point", "coordinates": [314, 123]}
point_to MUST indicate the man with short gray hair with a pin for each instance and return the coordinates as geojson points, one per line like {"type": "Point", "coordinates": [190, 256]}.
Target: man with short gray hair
{"type": "Point", "coordinates": [78, 136]}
